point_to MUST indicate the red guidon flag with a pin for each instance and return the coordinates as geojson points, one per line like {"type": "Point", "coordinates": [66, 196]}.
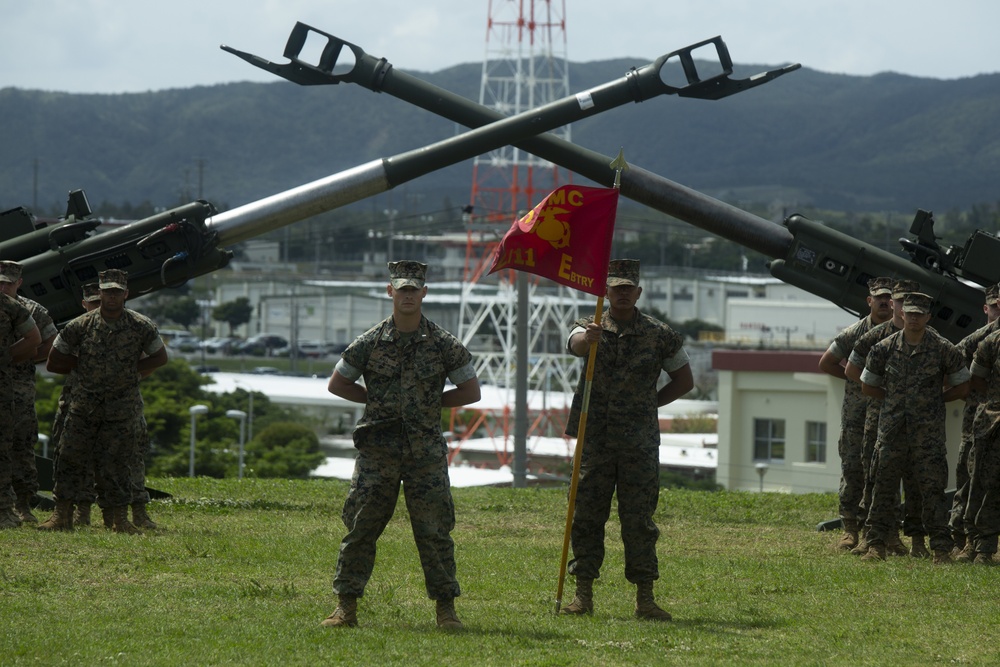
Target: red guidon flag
{"type": "Point", "coordinates": [566, 238]}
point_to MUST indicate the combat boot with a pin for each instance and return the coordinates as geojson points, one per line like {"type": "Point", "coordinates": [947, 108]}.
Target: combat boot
{"type": "Point", "coordinates": [583, 600]}
{"type": "Point", "coordinates": [140, 518]}
{"type": "Point", "coordinates": [22, 506]}
{"type": "Point", "coordinates": [875, 552]}
{"type": "Point", "coordinates": [895, 546]}
{"type": "Point", "coordinates": [966, 555]}
{"type": "Point", "coordinates": [121, 523]}
{"type": "Point", "coordinates": [983, 558]}
{"type": "Point", "coordinates": [959, 539]}
{"type": "Point", "coordinates": [862, 547]}
{"type": "Point", "coordinates": [345, 615]}
{"type": "Point", "coordinates": [919, 549]}
{"type": "Point", "coordinates": [942, 556]}
{"type": "Point", "coordinates": [62, 517]}
{"type": "Point", "coordinates": [81, 515]}
{"type": "Point", "coordinates": [645, 606]}
{"type": "Point", "coordinates": [848, 540]}
{"type": "Point", "coordinates": [446, 616]}
{"type": "Point", "coordinates": [9, 519]}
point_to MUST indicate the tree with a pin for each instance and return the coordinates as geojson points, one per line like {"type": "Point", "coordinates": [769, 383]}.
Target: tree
{"type": "Point", "coordinates": [233, 313]}
{"type": "Point", "coordinates": [284, 449]}
{"type": "Point", "coordinates": [184, 312]}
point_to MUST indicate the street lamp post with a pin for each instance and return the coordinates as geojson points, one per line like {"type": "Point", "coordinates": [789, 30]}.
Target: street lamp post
{"type": "Point", "coordinates": [249, 409]}
{"type": "Point", "coordinates": [761, 470]}
{"type": "Point", "coordinates": [242, 416]}
{"type": "Point", "coordinates": [195, 410]}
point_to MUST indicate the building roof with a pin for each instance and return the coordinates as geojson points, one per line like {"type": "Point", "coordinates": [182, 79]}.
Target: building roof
{"type": "Point", "coordinates": [460, 476]}
{"type": "Point", "coordinates": [312, 391]}
{"type": "Point", "coordinates": [776, 361]}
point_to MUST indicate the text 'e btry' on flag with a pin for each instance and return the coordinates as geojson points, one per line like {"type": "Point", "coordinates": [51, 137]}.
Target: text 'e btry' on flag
{"type": "Point", "coordinates": [566, 238]}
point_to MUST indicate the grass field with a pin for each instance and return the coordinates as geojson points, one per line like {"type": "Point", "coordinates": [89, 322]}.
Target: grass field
{"type": "Point", "coordinates": [241, 574]}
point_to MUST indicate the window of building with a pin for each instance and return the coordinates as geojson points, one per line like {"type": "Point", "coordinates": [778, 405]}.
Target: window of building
{"type": "Point", "coordinates": [768, 439]}
{"type": "Point", "coordinates": [815, 442]}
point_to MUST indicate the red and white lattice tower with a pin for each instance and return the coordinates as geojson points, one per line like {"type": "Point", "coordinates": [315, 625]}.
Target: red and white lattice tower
{"type": "Point", "coordinates": [525, 67]}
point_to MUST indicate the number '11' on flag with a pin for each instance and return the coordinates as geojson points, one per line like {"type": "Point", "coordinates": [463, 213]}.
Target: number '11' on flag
{"type": "Point", "coordinates": [566, 238]}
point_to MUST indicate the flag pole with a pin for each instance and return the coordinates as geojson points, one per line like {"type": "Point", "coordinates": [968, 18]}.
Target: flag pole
{"type": "Point", "coordinates": [619, 165]}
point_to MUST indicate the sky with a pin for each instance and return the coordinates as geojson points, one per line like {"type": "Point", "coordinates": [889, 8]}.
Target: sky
{"type": "Point", "coordinates": [115, 46]}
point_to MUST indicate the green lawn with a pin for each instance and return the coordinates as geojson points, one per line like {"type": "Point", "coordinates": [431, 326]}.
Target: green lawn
{"type": "Point", "coordinates": [241, 574]}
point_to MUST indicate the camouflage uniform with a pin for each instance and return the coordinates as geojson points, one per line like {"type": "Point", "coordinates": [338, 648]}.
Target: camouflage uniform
{"type": "Point", "coordinates": [982, 506]}
{"type": "Point", "coordinates": [15, 323]}
{"type": "Point", "coordinates": [399, 440]}
{"type": "Point", "coordinates": [621, 448]}
{"type": "Point", "coordinates": [911, 429]}
{"type": "Point", "coordinates": [913, 510]}
{"type": "Point", "coordinates": [963, 469]}
{"type": "Point", "coordinates": [100, 432]}
{"type": "Point", "coordinates": [91, 294]}
{"type": "Point", "coordinates": [25, 480]}
{"type": "Point", "coordinates": [141, 451]}
{"type": "Point", "coordinates": [852, 430]}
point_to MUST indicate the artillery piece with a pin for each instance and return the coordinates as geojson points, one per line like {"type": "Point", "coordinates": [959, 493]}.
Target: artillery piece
{"type": "Point", "coordinates": [171, 247]}
{"type": "Point", "coordinates": [803, 252]}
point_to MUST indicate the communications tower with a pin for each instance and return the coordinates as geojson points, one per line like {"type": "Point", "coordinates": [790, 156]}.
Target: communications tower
{"type": "Point", "coordinates": [525, 67]}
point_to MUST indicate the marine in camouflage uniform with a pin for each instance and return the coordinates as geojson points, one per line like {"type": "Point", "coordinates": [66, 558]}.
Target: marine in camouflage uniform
{"type": "Point", "coordinates": [854, 409]}
{"type": "Point", "coordinates": [19, 338]}
{"type": "Point", "coordinates": [405, 361]}
{"type": "Point", "coordinates": [105, 348]}
{"type": "Point", "coordinates": [963, 469]}
{"type": "Point", "coordinates": [81, 516]}
{"type": "Point", "coordinates": [140, 495]}
{"type": "Point", "coordinates": [982, 505]}
{"type": "Point", "coordinates": [912, 511]}
{"type": "Point", "coordinates": [622, 438]}
{"type": "Point", "coordinates": [25, 436]}
{"type": "Point", "coordinates": [908, 370]}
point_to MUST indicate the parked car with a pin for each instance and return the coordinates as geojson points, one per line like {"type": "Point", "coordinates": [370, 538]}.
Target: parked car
{"type": "Point", "coordinates": [179, 339]}
{"type": "Point", "coordinates": [311, 349]}
{"type": "Point", "coordinates": [260, 345]}
{"type": "Point", "coordinates": [219, 344]}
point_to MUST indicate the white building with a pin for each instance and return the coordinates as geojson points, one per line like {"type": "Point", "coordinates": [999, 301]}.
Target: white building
{"type": "Point", "coordinates": [338, 310]}
{"type": "Point", "coordinates": [780, 415]}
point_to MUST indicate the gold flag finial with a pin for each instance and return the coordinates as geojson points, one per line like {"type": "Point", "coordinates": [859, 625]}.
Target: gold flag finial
{"type": "Point", "coordinates": [619, 165]}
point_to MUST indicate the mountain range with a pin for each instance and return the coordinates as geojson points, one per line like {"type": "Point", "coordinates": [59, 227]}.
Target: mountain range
{"type": "Point", "coordinates": [886, 142]}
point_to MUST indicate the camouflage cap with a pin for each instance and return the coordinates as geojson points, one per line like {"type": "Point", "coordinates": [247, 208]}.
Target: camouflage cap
{"type": "Point", "coordinates": [917, 302]}
{"type": "Point", "coordinates": [407, 273]}
{"type": "Point", "coordinates": [992, 295]}
{"type": "Point", "coordinates": [113, 279]}
{"type": "Point", "coordinates": [879, 286]}
{"type": "Point", "coordinates": [623, 272]}
{"type": "Point", "coordinates": [91, 292]}
{"type": "Point", "coordinates": [10, 272]}
{"type": "Point", "coordinates": [903, 287]}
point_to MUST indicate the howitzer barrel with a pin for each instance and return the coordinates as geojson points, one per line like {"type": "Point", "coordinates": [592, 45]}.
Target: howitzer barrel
{"type": "Point", "coordinates": [637, 184]}
{"type": "Point", "coordinates": [806, 253]}
{"type": "Point", "coordinates": [380, 175]}
{"type": "Point", "coordinates": [643, 186]}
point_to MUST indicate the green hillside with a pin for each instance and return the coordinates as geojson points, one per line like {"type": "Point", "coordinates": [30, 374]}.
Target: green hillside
{"type": "Point", "coordinates": [884, 142]}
